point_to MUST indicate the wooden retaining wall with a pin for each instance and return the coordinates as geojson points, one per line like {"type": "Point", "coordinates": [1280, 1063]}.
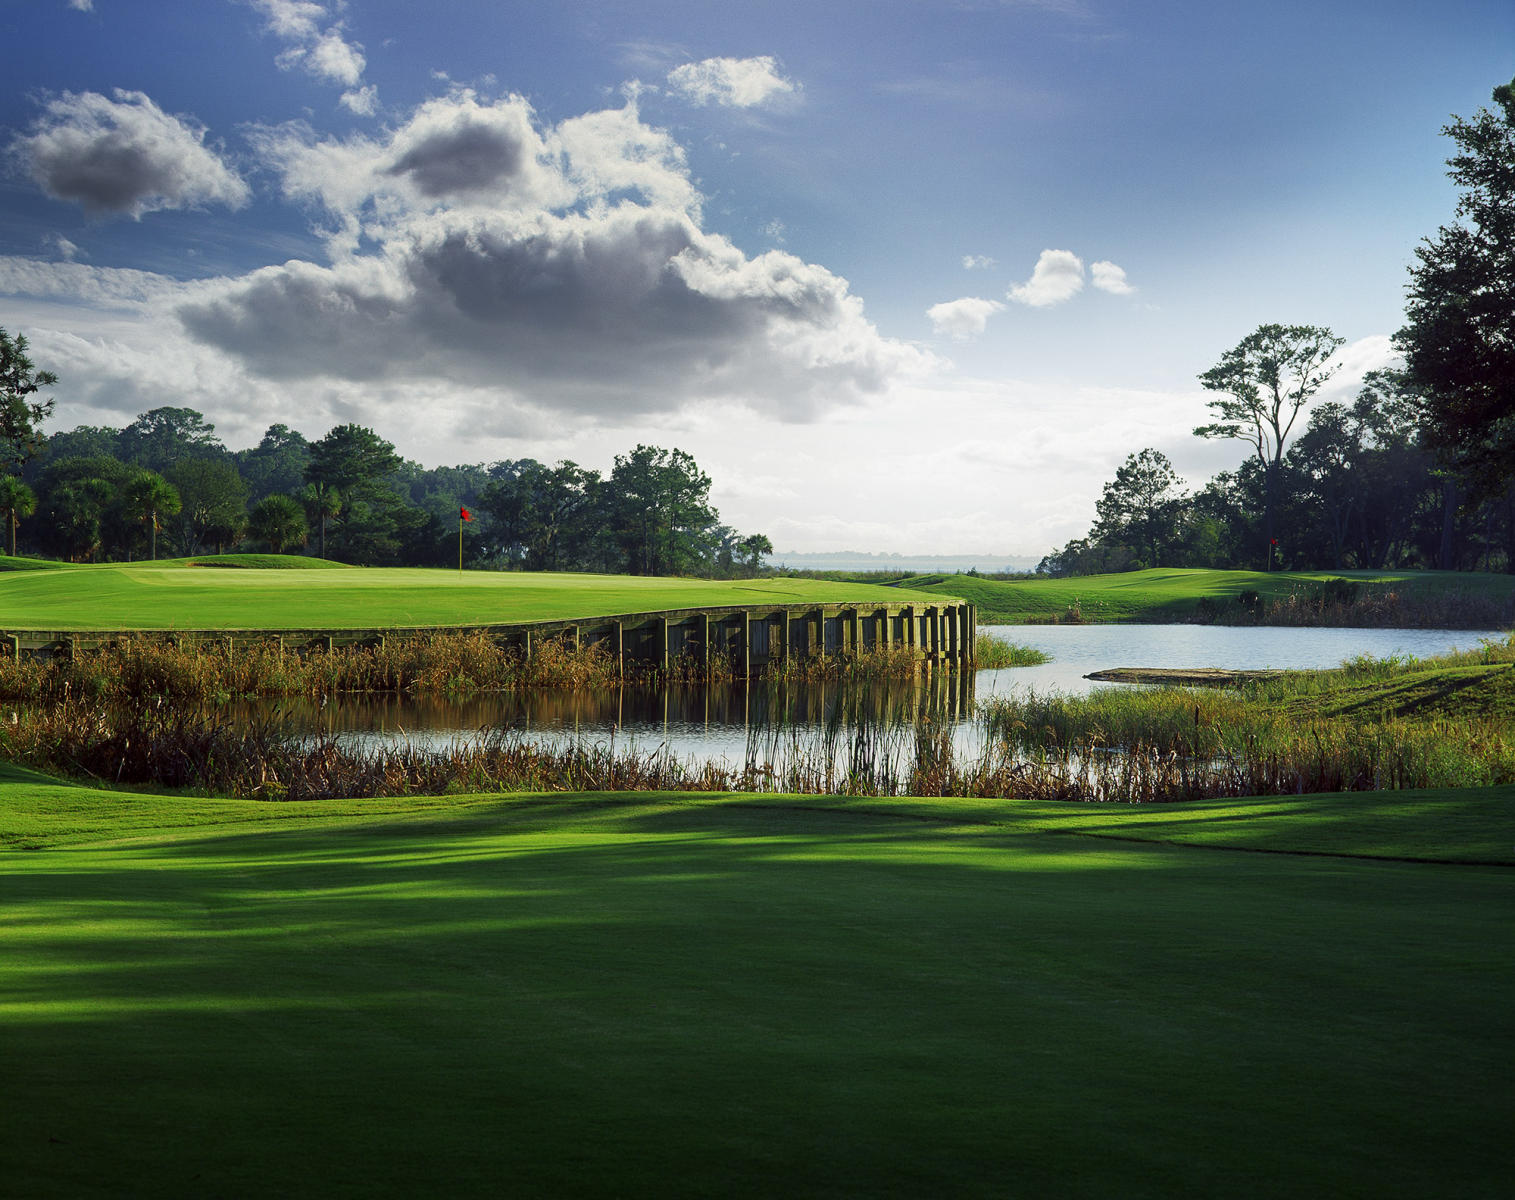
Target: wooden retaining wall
{"type": "Point", "coordinates": [751, 638]}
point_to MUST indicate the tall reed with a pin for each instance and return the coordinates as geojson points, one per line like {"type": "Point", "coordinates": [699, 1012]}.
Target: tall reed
{"type": "Point", "coordinates": [438, 663]}
{"type": "Point", "coordinates": [992, 652]}
{"type": "Point", "coordinates": [1059, 757]}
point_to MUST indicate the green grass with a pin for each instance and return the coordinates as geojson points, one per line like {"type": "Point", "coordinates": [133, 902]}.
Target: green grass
{"type": "Point", "coordinates": [655, 995]}
{"type": "Point", "coordinates": [182, 594]}
{"type": "Point", "coordinates": [265, 562]}
{"type": "Point", "coordinates": [992, 652]}
{"type": "Point", "coordinates": [1461, 693]}
{"type": "Point", "coordinates": [21, 563]}
{"type": "Point", "coordinates": [1174, 594]}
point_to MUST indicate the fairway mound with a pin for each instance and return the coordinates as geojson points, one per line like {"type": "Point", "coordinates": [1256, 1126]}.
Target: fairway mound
{"type": "Point", "coordinates": [16, 563]}
{"type": "Point", "coordinates": [266, 562]}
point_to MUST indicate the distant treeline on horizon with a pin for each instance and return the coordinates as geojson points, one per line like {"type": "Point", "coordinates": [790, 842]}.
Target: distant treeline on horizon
{"type": "Point", "coordinates": [166, 486]}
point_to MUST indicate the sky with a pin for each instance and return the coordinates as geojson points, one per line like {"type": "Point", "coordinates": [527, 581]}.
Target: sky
{"type": "Point", "coordinates": [904, 276]}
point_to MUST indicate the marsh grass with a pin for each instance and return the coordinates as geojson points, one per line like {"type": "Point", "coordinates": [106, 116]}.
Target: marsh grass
{"type": "Point", "coordinates": [1374, 724]}
{"type": "Point", "coordinates": [1124, 746]}
{"type": "Point", "coordinates": [217, 669]}
{"type": "Point", "coordinates": [992, 652]}
{"type": "Point", "coordinates": [440, 664]}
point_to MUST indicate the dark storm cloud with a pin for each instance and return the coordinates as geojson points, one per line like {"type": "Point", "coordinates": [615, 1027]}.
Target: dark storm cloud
{"type": "Point", "coordinates": [471, 157]}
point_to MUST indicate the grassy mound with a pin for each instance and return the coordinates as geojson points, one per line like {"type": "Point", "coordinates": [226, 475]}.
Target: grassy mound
{"type": "Point", "coordinates": [176, 595]}
{"type": "Point", "coordinates": [1174, 594]}
{"type": "Point", "coordinates": [18, 563]}
{"type": "Point", "coordinates": [613, 995]}
{"type": "Point", "coordinates": [264, 562]}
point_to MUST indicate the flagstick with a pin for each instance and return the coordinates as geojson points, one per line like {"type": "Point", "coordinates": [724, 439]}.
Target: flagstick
{"type": "Point", "coordinates": [460, 543]}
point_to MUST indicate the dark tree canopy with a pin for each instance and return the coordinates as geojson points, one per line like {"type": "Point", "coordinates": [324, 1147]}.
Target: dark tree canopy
{"type": "Point", "coordinates": [160, 437]}
{"type": "Point", "coordinates": [1459, 336]}
{"type": "Point", "coordinates": [355, 469]}
{"type": "Point", "coordinates": [1139, 506]}
{"type": "Point", "coordinates": [276, 464]}
{"type": "Point", "coordinates": [21, 414]}
{"type": "Point", "coordinates": [659, 509]}
{"type": "Point", "coordinates": [351, 459]}
{"type": "Point", "coordinates": [97, 496]}
{"type": "Point", "coordinates": [214, 502]}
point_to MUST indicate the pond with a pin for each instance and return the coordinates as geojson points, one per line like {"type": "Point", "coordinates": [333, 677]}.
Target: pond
{"type": "Point", "coordinates": [719, 722]}
{"type": "Point", "coordinates": [1077, 650]}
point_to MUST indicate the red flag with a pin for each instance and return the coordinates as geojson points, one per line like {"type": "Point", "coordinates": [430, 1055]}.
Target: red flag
{"type": "Point", "coordinates": [465, 515]}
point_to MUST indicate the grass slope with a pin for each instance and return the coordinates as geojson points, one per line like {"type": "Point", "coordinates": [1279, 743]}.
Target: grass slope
{"type": "Point", "coordinates": [1470, 692]}
{"type": "Point", "coordinates": [654, 995]}
{"type": "Point", "coordinates": [183, 594]}
{"type": "Point", "coordinates": [1171, 594]}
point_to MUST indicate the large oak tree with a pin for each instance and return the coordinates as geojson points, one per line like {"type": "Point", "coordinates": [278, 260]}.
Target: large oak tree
{"type": "Point", "coordinates": [1264, 381]}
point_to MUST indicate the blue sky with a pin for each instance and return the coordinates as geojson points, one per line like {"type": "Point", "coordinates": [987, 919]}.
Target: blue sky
{"type": "Point", "coordinates": [962, 255]}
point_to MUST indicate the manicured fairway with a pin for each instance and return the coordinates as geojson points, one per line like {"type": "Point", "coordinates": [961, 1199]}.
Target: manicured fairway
{"type": "Point", "coordinates": [178, 595]}
{"type": "Point", "coordinates": [1169, 594]}
{"type": "Point", "coordinates": [657, 995]}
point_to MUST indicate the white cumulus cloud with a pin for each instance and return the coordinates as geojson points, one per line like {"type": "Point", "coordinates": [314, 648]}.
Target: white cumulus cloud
{"type": "Point", "coordinates": [963, 319]}
{"type": "Point", "coordinates": [124, 155]}
{"type": "Point", "coordinates": [317, 43]}
{"type": "Point", "coordinates": [1110, 278]}
{"type": "Point", "coordinates": [977, 262]}
{"type": "Point", "coordinates": [296, 20]}
{"type": "Point", "coordinates": [1059, 276]}
{"type": "Point", "coordinates": [460, 152]}
{"type": "Point", "coordinates": [565, 268]}
{"type": "Point", "coordinates": [61, 246]}
{"type": "Point", "coordinates": [731, 82]}
{"type": "Point", "coordinates": [363, 101]}
{"type": "Point", "coordinates": [332, 59]}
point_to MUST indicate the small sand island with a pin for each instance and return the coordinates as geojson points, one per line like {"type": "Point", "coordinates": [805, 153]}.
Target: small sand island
{"type": "Point", "coordinates": [1180, 676]}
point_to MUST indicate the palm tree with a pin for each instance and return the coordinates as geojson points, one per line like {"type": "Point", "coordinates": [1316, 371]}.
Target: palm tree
{"type": "Point", "coordinates": [321, 500]}
{"type": "Point", "coordinates": [279, 521]}
{"type": "Point", "coordinates": [150, 498]}
{"type": "Point", "coordinates": [75, 510]}
{"type": "Point", "coordinates": [17, 501]}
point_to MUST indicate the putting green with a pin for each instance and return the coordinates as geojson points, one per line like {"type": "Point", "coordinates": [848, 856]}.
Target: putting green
{"type": "Point", "coordinates": [181, 595]}
{"type": "Point", "coordinates": [695, 996]}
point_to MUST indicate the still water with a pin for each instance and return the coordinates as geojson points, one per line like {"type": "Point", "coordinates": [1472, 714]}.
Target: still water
{"type": "Point", "coordinates": [1077, 650]}
{"type": "Point", "coordinates": [709, 723]}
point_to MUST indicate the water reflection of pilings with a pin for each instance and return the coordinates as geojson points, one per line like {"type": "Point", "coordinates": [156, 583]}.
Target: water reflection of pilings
{"type": "Point", "coordinates": [944, 697]}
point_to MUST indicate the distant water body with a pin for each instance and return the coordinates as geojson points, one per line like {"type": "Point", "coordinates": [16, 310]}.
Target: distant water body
{"type": "Point", "coordinates": [1077, 650]}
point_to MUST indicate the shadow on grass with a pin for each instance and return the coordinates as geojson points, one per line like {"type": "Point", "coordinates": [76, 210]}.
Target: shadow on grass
{"type": "Point", "coordinates": [600, 997]}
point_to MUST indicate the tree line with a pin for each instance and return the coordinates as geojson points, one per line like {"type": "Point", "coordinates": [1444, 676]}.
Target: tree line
{"type": "Point", "coordinates": [1418, 470]}
{"type": "Point", "coordinates": [165, 485]}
